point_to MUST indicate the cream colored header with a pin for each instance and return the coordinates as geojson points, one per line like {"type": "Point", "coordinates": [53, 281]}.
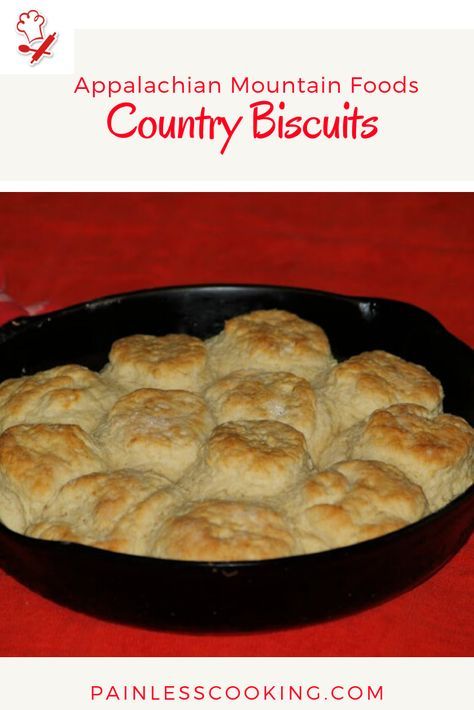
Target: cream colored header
{"type": "Point", "coordinates": [246, 105]}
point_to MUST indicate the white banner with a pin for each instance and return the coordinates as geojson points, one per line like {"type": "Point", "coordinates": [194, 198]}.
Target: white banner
{"type": "Point", "coordinates": [386, 683]}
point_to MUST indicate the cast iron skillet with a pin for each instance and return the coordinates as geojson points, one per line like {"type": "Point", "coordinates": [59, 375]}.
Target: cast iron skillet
{"type": "Point", "coordinates": [243, 595]}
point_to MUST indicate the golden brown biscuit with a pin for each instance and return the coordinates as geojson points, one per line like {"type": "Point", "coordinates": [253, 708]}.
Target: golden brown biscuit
{"type": "Point", "coordinates": [225, 531]}
{"type": "Point", "coordinates": [375, 380]}
{"type": "Point", "coordinates": [165, 362]}
{"type": "Point", "coordinates": [352, 502]}
{"type": "Point", "coordinates": [70, 394]}
{"type": "Point", "coordinates": [106, 510]}
{"type": "Point", "coordinates": [279, 396]}
{"type": "Point", "coordinates": [270, 340]}
{"type": "Point", "coordinates": [35, 461]}
{"type": "Point", "coordinates": [136, 532]}
{"type": "Point", "coordinates": [250, 460]}
{"type": "Point", "coordinates": [435, 452]}
{"type": "Point", "coordinates": [159, 430]}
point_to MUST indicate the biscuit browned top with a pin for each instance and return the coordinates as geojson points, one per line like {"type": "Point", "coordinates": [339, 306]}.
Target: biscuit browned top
{"type": "Point", "coordinates": [37, 459]}
{"type": "Point", "coordinates": [250, 460]}
{"type": "Point", "coordinates": [375, 380]}
{"type": "Point", "coordinates": [434, 451]}
{"type": "Point", "coordinates": [354, 501]}
{"type": "Point", "coordinates": [277, 396]}
{"type": "Point", "coordinates": [270, 340]}
{"type": "Point", "coordinates": [225, 531]}
{"type": "Point", "coordinates": [136, 531]}
{"type": "Point", "coordinates": [255, 394]}
{"type": "Point", "coordinates": [97, 508]}
{"type": "Point", "coordinates": [161, 430]}
{"type": "Point", "coordinates": [69, 394]}
{"type": "Point", "coordinates": [175, 361]}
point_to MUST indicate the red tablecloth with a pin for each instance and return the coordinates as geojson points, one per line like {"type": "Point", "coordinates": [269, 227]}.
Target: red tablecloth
{"type": "Point", "coordinates": [65, 248]}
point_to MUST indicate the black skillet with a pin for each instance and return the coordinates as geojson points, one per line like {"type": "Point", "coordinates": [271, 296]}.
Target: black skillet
{"type": "Point", "coordinates": [243, 595]}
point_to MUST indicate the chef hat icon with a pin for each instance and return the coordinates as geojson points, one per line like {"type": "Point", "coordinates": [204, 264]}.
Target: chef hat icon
{"type": "Point", "coordinates": [30, 24]}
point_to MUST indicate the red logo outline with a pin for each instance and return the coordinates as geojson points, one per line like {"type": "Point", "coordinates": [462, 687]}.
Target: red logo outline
{"type": "Point", "coordinates": [31, 25]}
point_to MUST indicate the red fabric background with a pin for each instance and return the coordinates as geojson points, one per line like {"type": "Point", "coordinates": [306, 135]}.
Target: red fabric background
{"type": "Point", "coordinates": [65, 248]}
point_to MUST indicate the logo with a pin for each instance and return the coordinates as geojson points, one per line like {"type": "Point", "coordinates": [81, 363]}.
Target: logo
{"type": "Point", "coordinates": [31, 25]}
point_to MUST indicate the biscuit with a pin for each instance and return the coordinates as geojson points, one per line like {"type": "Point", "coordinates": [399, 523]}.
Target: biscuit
{"type": "Point", "coordinates": [279, 396]}
{"type": "Point", "coordinates": [250, 460]}
{"type": "Point", "coordinates": [104, 509]}
{"type": "Point", "coordinates": [352, 502]}
{"type": "Point", "coordinates": [136, 532]}
{"type": "Point", "coordinates": [434, 451]}
{"type": "Point", "coordinates": [164, 362]}
{"type": "Point", "coordinates": [270, 340]}
{"type": "Point", "coordinates": [376, 380]}
{"type": "Point", "coordinates": [225, 531]}
{"type": "Point", "coordinates": [69, 394]}
{"type": "Point", "coordinates": [35, 461]}
{"type": "Point", "coordinates": [158, 430]}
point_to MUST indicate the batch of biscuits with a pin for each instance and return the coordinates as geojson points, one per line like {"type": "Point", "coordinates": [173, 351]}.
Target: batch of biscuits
{"type": "Point", "coordinates": [253, 444]}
